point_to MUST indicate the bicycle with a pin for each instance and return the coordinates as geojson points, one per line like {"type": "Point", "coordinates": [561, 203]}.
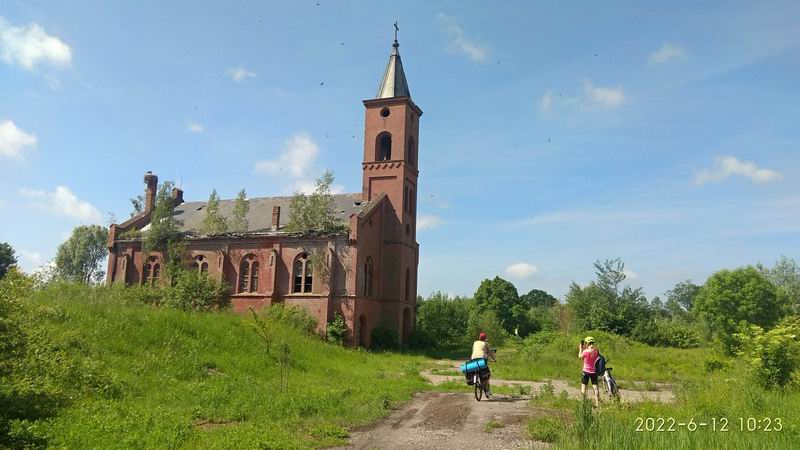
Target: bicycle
{"type": "Point", "coordinates": [479, 380]}
{"type": "Point", "coordinates": [610, 385]}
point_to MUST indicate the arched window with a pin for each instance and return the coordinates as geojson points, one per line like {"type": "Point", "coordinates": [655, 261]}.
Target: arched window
{"type": "Point", "coordinates": [408, 283]}
{"type": "Point", "coordinates": [368, 277]}
{"type": "Point", "coordinates": [200, 264]}
{"type": "Point", "coordinates": [362, 331]}
{"type": "Point", "coordinates": [248, 274]}
{"type": "Point", "coordinates": [411, 153]}
{"type": "Point", "coordinates": [254, 277]}
{"type": "Point", "coordinates": [384, 147]}
{"type": "Point", "coordinates": [405, 199]}
{"type": "Point", "coordinates": [151, 272]}
{"type": "Point", "coordinates": [303, 275]}
{"type": "Point", "coordinates": [156, 274]}
{"type": "Point", "coordinates": [411, 202]}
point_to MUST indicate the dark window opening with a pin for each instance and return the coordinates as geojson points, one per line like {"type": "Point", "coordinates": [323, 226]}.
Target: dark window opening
{"type": "Point", "coordinates": [385, 147]}
{"type": "Point", "coordinates": [412, 151]}
{"type": "Point", "coordinates": [303, 275]}
{"type": "Point", "coordinates": [385, 112]}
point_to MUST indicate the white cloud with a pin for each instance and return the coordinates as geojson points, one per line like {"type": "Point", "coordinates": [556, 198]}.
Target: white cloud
{"type": "Point", "coordinates": [667, 53]}
{"type": "Point", "coordinates": [630, 275]}
{"type": "Point", "coordinates": [13, 141]}
{"type": "Point", "coordinates": [606, 97]}
{"type": "Point", "coordinates": [240, 73]}
{"type": "Point", "coordinates": [30, 260]}
{"type": "Point", "coordinates": [195, 127]}
{"type": "Point", "coordinates": [299, 153]}
{"type": "Point", "coordinates": [521, 270]}
{"type": "Point", "coordinates": [460, 43]}
{"type": "Point", "coordinates": [428, 221]}
{"type": "Point", "coordinates": [30, 46]}
{"type": "Point", "coordinates": [62, 202]}
{"type": "Point", "coordinates": [592, 98]}
{"type": "Point", "coordinates": [309, 186]}
{"type": "Point", "coordinates": [727, 166]}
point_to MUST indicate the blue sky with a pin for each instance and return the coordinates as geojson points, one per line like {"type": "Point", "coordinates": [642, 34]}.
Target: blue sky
{"type": "Point", "coordinates": [553, 135]}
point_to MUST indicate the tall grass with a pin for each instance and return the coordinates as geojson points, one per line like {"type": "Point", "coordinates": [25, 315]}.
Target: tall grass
{"type": "Point", "coordinates": [127, 375]}
{"type": "Point", "coordinates": [554, 355]}
{"type": "Point", "coordinates": [618, 426]}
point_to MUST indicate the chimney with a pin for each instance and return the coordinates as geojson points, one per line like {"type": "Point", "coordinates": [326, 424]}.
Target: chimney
{"type": "Point", "coordinates": [151, 181]}
{"type": "Point", "coordinates": [276, 217]}
{"type": "Point", "coordinates": [177, 196]}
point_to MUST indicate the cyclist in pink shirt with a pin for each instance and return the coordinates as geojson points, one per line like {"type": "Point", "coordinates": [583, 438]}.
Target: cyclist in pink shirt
{"type": "Point", "coordinates": [589, 354]}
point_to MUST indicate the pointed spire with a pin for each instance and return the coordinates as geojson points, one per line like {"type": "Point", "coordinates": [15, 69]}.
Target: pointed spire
{"type": "Point", "coordinates": [394, 82]}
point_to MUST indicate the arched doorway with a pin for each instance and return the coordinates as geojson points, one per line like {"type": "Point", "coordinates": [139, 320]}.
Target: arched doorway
{"type": "Point", "coordinates": [406, 325]}
{"type": "Point", "coordinates": [362, 331]}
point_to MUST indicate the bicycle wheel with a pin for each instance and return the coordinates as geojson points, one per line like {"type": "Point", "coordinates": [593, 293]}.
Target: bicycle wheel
{"type": "Point", "coordinates": [614, 389]}
{"type": "Point", "coordinates": [478, 391]}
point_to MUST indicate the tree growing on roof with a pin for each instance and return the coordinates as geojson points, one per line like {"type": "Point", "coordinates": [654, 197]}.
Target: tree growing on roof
{"type": "Point", "coordinates": [164, 233]}
{"type": "Point", "coordinates": [137, 203]}
{"type": "Point", "coordinates": [315, 212]}
{"type": "Point", "coordinates": [241, 207]}
{"type": "Point", "coordinates": [214, 222]}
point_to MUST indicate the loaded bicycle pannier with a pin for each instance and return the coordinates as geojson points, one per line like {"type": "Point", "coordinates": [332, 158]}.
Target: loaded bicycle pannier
{"type": "Point", "coordinates": [600, 364]}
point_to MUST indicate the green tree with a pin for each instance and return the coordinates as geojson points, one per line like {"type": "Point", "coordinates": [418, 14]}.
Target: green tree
{"type": "Point", "coordinates": [605, 304]}
{"type": "Point", "coordinates": [538, 297]}
{"type": "Point", "coordinates": [214, 222]}
{"type": "Point", "coordinates": [500, 297]}
{"type": "Point", "coordinates": [7, 258]}
{"type": "Point", "coordinates": [164, 235]}
{"type": "Point", "coordinates": [731, 298]}
{"type": "Point", "coordinates": [241, 207]}
{"type": "Point", "coordinates": [443, 320]}
{"type": "Point", "coordinates": [785, 275]}
{"type": "Point", "coordinates": [315, 212]}
{"type": "Point", "coordinates": [81, 256]}
{"type": "Point", "coordinates": [137, 203]}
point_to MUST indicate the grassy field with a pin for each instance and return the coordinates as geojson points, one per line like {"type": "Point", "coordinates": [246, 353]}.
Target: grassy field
{"type": "Point", "coordinates": [108, 372]}
{"type": "Point", "coordinates": [554, 355]}
{"type": "Point", "coordinates": [132, 376]}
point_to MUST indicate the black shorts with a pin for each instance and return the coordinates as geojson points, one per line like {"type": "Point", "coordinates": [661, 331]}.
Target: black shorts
{"type": "Point", "coordinates": [589, 376]}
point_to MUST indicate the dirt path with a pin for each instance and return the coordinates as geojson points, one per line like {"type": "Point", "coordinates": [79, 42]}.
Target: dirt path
{"type": "Point", "coordinates": [664, 394]}
{"type": "Point", "coordinates": [435, 420]}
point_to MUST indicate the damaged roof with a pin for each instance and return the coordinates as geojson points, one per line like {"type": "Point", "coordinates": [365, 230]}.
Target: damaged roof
{"type": "Point", "coordinates": [259, 218]}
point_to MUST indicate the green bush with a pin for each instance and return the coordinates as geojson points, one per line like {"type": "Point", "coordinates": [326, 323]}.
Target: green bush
{"type": "Point", "coordinates": [442, 321]}
{"type": "Point", "coordinates": [195, 291]}
{"type": "Point", "coordinates": [666, 333]}
{"type": "Point", "coordinates": [488, 323]}
{"type": "Point", "coordinates": [298, 318]}
{"type": "Point", "coordinates": [337, 329]}
{"type": "Point", "coordinates": [772, 355]}
{"type": "Point", "coordinates": [384, 339]}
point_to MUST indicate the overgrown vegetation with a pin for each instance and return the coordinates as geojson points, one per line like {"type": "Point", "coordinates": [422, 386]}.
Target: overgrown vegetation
{"type": "Point", "coordinates": [164, 236]}
{"type": "Point", "coordinates": [238, 220]}
{"type": "Point", "coordinates": [315, 212]}
{"type": "Point", "coordinates": [99, 369]}
{"type": "Point", "coordinates": [213, 222]}
{"type": "Point", "coordinates": [81, 256]}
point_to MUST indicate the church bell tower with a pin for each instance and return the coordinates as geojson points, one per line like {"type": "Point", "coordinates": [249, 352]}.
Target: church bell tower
{"type": "Point", "coordinates": [391, 139]}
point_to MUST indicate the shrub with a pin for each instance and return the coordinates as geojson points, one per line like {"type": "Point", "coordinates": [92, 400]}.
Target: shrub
{"type": "Point", "coordinates": [666, 333]}
{"type": "Point", "coordinates": [772, 355]}
{"type": "Point", "coordinates": [545, 429]}
{"type": "Point", "coordinates": [196, 291]}
{"type": "Point", "coordinates": [384, 339]}
{"type": "Point", "coordinates": [713, 365]}
{"type": "Point", "coordinates": [298, 318]}
{"type": "Point", "coordinates": [443, 320]}
{"type": "Point", "coordinates": [488, 323]}
{"type": "Point", "coordinates": [337, 330]}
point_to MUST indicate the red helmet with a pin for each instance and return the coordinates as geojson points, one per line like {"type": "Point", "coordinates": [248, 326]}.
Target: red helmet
{"type": "Point", "coordinates": [482, 336]}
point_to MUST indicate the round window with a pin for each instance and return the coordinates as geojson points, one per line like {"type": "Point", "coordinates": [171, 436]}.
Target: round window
{"type": "Point", "coordinates": [385, 112]}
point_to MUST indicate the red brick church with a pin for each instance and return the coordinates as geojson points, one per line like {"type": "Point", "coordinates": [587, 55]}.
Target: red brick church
{"type": "Point", "coordinates": [371, 275]}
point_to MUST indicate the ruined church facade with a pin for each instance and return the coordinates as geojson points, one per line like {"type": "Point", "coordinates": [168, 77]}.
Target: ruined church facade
{"type": "Point", "coordinates": [370, 271]}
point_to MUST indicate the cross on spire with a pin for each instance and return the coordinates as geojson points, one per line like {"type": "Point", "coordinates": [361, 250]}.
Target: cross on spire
{"type": "Point", "coordinates": [396, 29]}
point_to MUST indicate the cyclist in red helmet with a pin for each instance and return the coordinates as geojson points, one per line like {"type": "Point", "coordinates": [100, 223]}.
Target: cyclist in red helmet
{"type": "Point", "coordinates": [481, 349]}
